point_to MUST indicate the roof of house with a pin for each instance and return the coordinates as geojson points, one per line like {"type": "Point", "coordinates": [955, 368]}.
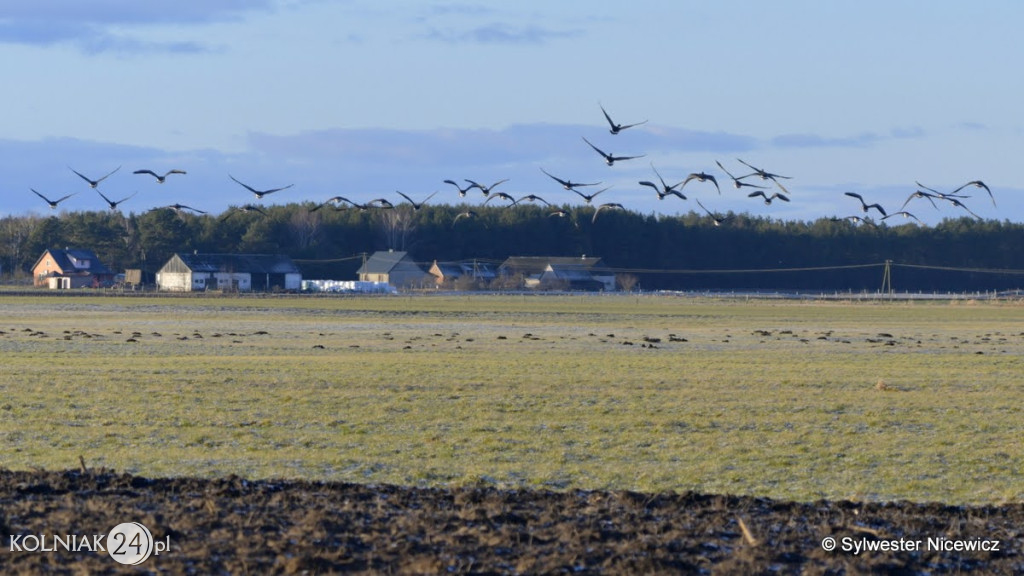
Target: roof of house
{"type": "Point", "coordinates": [456, 269]}
{"type": "Point", "coordinates": [538, 264]}
{"type": "Point", "coordinates": [383, 262]}
{"type": "Point", "coordinates": [251, 263]}
{"type": "Point", "coordinates": [76, 260]}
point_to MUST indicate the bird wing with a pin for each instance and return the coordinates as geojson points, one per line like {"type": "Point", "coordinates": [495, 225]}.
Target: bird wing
{"type": "Point", "coordinates": [150, 172]}
{"type": "Point", "coordinates": [41, 196]}
{"type": "Point", "coordinates": [599, 151]}
{"type": "Point", "coordinates": [632, 125]}
{"type": "Point", "coordinates": [616, 158]}
{"type": "Point", "coordinates": [564, 183]}
{"type": "Point", "coordinates": [109, 201]}
{"type": "Point", "coordinates": [782, 197]}
{"type": "Point", "coordinates": [854, 195]}
{"type": "Point", "coordinates": [608, 118]}
{"type": "Point", "coordinates": [651, 184]}
{"type": "Point", "coordinates": [105, 176]}
{"type": "Point", "coordinates": [169, 172]}
{"type": "Point", "coordinates": [80, 175]}
{"type": "Point", "coordinates": [758, 193]}
{"type": "Point", "coordinates": [246, 186]}
{"type": "Point", "coordinates": [272, 190]}
{"type": "Point", "coordinates": [63, 198]}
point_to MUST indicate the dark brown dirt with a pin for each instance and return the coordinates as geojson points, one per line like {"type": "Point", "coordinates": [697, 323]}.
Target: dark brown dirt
{"type": "Point", "coordinates": [235, 526]}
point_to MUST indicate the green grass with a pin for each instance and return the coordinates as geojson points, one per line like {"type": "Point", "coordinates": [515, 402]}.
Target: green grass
{"type": "Point", "coordinates": [778, 399]}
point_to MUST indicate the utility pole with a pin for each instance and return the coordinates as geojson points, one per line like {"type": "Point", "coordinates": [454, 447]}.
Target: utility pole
{"type": "Point", "coordinates": [887, 279]}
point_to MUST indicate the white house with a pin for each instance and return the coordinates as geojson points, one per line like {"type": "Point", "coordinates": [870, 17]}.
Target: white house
{"type": "Point", "coordinates": [230, 272]}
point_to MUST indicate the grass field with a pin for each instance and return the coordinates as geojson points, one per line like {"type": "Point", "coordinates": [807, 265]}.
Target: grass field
{"type": "Point", "coordinates": [793, 400]}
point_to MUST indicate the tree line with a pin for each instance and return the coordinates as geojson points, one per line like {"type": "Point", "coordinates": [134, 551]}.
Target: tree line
{"type": "Point", "coordinates": [686, 251]}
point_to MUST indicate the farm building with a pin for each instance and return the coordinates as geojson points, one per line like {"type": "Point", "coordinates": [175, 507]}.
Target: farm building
{"type": "Point", "coordinates": [451, 271]}
{"type": "Point", "coordinates": [230, 272]}
{"type": "Point", "coordinates": [395, 268]}
{"type": "Point", "coordinates": [570, 273]}
{"type": "Point", "coordinates": [71, 269]}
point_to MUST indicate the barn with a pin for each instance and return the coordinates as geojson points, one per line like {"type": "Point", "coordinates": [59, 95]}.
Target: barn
{"type": "Point", "coordinates": [229, 272]}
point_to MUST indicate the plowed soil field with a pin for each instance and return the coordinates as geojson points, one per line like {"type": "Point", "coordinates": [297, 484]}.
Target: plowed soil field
{"type": "Point", "coordinates": [235, 526]}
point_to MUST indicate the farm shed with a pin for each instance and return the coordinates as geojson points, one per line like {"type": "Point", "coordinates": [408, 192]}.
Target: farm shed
{"type": "Point", "coordinates": [71, 269]}
{"type": "Point", "coordinates": [231, 272]}
{"type": "Point", "coordinates": [395, 268]}
{"type": "Point", "coordinates": [581, 273]}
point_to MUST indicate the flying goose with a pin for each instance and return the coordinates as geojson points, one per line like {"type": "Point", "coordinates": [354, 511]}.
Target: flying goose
{"type": "Point", "coordinates": [903, 213]}
{"type": "Point", "coordinates": [977, 184]}
{"type": "Point", "coordinates": [53, 203]}
{"type": "Point", "coordinates": [738, 183]}
{"type": "Point", "coordinates": [93, 183]}
{"type": "Point", "coordinates": [616, 128]}
{"type": "Point", "coordinates": [920, 194]}
{"type": "Point", "coordinates": [567, 184]}
{"type": "Point", "coordinates": [416, 206]}
{"type": "Point", "coordinates": [588, 197]}
{"type": "Point", "coordinates": [717, 219]}
{"type": "Point", "coordinates": [260, 193]}
{"type": "Point", "coordinates": [501, 196]}
{"type": "Point", "coordinates": [179, 209]}
{"type": "Point", "coordinates": [609, 159]}
{"type": "Point", "coordinates": [606, 206]}
{"type": "Point", "coordinates": [864, 205]}
{"type": "Point", "coordinates": [664, 190]}
{"type": "Point", "coordinates": [485, 189]}
{"type": "Point", "coordinates": [702, 177]}
{"type": "Point", "coordinates": [246, 208]}
{"type": "Point", "coordinates": [765, 175]}
{"type": "Point", "coordinates": [113, 204]}
{"type": "Point", "coordinates": [534, 198]}
{"type": "Point", "coordinates": [462, 191]}
{"type": "Point", "coordinates": [768, 199]}
{"type": "Point", "coordinates": [159, 178]}
{"type": "Point", "coordinates": [466, 214]}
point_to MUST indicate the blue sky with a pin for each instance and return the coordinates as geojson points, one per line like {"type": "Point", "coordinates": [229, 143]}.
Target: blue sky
{"type": "Point", "coordinates": [360, 98]}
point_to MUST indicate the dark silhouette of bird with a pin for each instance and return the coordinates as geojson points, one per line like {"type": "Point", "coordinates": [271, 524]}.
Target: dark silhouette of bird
{"type": "Point", "coordinates": [977, 184]}
{"type": "Point", "coordinates": [738, 183]}
{"type": "Point", "coordinates": [382, 203]}
{"type": "Point", "coordinates": [533, 198]}
{"type": "Point", "coordinates": [93, 183]}
{"type": "Point", "coordinates": [160, 178]}
{"type": "Point", "coordinates": [53, 203]}
{"type": "Point", "coordinates": [609, 159]}
{"type": "Point", "coordinates": [113, 204]}
{"type": "Point", "coordinates": [501, 196]}
{"type": "Point", "coordinates": [561, 213]}
{"type": "Point", "coordinates": [246, 208]}
{"type": "Point", "coordinates": [702, 177]}
{"type": "Point", "coordinates": [768, 199]}
{"type": "Point", "coordinates": [616, 128]}
{"type": "Point", "coordinates": [864, 205]}
{"type": "Point", "coordinates": [717, 219]}
{"type": "Point", "coordinates": [462, 191]}
{"type": "Point", "coordinates": [588, 197]}
{"type": "Point", "coordinates": [663, 190]}
{"type": "Point", "coordinates": [485, 189]}
{"type": "Point", "coordinates": [606, 206]}
{"type": "Point", "coordinates": [903, 213]}
{"type": "Point", "coordinates": [567, 184]}
{"type": "Point", "coordinates": [260, 193]}
{"type": "Point", "coordinates": [416, 206]}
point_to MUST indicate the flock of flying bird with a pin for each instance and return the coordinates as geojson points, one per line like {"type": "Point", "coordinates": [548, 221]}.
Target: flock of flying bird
{"type": "Point", "coordinates": [663, 190]}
